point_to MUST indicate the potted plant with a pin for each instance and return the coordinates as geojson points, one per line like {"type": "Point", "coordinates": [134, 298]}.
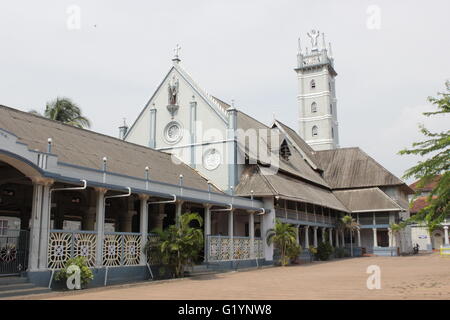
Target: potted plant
{"type": "Point", "coordinates": [86, 274]}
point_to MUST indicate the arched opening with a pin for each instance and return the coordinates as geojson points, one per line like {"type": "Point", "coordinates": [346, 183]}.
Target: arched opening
{"type": "Point", "coordinates": [313, 84]}
{"type": "Point", "coordinates": [315, 131]}
{"type": "Point", "coordinates": [313, 107]}
{"type": "Point", "coordinates": [16, 193]}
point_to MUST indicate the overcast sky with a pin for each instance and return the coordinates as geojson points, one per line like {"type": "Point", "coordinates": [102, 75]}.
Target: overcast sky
{"type": "Point", "coordinates": [241, 50]}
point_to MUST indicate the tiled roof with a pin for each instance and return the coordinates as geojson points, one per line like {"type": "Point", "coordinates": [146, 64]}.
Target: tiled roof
{"type": "Point", "coordinates": [86, 148]}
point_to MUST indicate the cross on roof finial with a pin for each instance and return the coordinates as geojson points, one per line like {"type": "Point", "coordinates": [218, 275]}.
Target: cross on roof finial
{"type": "Point", "coordinates": [176, 52]}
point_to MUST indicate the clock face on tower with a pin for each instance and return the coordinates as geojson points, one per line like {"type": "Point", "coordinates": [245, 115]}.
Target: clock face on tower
{"type": "Point", "coordinates": [172, 132]}
{"type": "Point", "coordinates": [211, 159]}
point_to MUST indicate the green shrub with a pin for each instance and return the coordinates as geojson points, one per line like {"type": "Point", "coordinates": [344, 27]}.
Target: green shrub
{"type": "Point", "coordinates": [86, 274]}
{"type": "Point", "coordinates": [324, 250]}
{"type": "Point", "coordinates": [339, 252]}
{"type": "Point", "coordinates": [293, 251]}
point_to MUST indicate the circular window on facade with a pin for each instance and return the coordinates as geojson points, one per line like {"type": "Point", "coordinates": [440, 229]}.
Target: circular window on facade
{"type": "Point", "coordinates": [172, 132]}
{"type": "Point", "coordinates": [211, 159]}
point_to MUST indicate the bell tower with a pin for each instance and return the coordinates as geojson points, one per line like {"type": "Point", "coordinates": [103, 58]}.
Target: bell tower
{"type": "Point", "coordinates": [316, 98]}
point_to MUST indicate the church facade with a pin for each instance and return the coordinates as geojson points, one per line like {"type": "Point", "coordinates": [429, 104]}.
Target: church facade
{"type": "Point", "coordinates": [74, 192]}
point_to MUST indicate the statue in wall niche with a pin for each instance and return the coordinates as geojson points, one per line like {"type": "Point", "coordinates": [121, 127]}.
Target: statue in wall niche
{"type": "Point", "coordinates": [173, 91]}
{"type": "Point", "coordinates": [173, 88]}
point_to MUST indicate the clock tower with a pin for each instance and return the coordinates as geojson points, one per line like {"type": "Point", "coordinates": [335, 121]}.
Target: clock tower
{"type": "Point", "coordinates": [316, 98]}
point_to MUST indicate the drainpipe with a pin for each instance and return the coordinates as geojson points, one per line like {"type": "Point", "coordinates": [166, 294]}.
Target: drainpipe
{"type": "Point", "coordinates": [49, 212]}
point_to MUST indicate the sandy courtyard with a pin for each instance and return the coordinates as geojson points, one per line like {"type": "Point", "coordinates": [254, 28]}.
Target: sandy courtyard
{"type": "Point", "coordinates": [415, 277]}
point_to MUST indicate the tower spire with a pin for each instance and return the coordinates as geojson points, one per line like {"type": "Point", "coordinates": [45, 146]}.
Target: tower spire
{"type": "Point", "coordinates": [324, 46]}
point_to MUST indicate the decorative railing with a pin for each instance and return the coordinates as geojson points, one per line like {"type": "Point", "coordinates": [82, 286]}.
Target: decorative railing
{"type": "Point", "coordinates": [153, 258]}
{"type": "Point", "coordinates": [63, 245]}
{"type": "Point", "coordinates": [121, 249]}
{"type": "Point", "coordinates": [219, 248]}
{"type": "Point", "coordinates": [259, 249]}
{"type": "Point", "coordinates": [241, 248]}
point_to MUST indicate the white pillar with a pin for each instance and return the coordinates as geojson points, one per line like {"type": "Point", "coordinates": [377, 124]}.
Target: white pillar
{"type": "Point", "coordinates": [358, 233]}
{"type": "Point", "coordinates": [36, 213]}
{"type": "Point", "coordinates": [330, 236]}
{"type": "Point", "coordinates": [143, 223]}
{"type": "Point", "coordinates": [100, 225]}
{"type": "Point", "coordinates": [207, 229]}
{"type": "Point", "coordinates": [268, 222]}
{"type": "Point", "coordinates": [343, 238]}
{"type": "Point", "coordinates": [306, 237]}
{"type": "Point", "coordinates": [251, 231]}
{"type": "Point", "coordinates": [390, 237]}
{"type": "Point", "coordinates": [337, 238]}
{"type": "Point", "coordinates": [323, 234]}
{"type": "Point", "coordinates": [446, 235]}
{"type": "Point", "coordinates": [375, 241]}
{"type": "Point", "coordinates": [231, 233]}
{"type": "Point", "coordinates": [45, 227]}
{"type": "Point", "coordinates": [296, 234]}
{"type": "Point", "coordinates": [179, 207]}
{"type": "Point", "coordinates": [315, 237]}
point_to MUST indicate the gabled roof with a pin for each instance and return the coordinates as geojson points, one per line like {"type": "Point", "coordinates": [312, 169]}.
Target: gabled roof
{"type": "Point", "coordinates": [347, 168]}
{"type": "Point", "coordinates": [367, 200]}
{"type": "Point", "coordinates": [267, 184]}
{"type": "Point", "coordinates": [85, 148]}
{"type": "Point", "coordinates": [217, 105]}
{"type": "Point", "coordinates": [297, 164]}
{"type": "Point", "coordinates": [307, 152]}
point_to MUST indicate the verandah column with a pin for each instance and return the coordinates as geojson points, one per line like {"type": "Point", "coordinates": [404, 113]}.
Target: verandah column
{"type": "Point", "coordinates": [36, 213]}
{"type": "Point", "coordinates": [307, 237]}
{"type": "Point", "coordinates": [337, 238]}
{"type": "Point", "coordinates": [343, 238]}
{"type": "Point", "coordinates": [231, 233]}
{"type": "Point", "coordinates": [179, 208]}
{"type": "Point", "coordinates": [446, 235]}
{"type": "Point", "coordinates": [207, 230]}
{"type": "Point", "coordinates": [358, 232]}
{"type": "Point", "coordinates": [251, 231]}
{"type": "Point", "coordinates": [100, 225]}
{"type": "Point", "coordinates": [268, 222]}
{"type": "Point", "coordinates": [330, 236]}
{"type": "Point", "coordinates": [143, 224]}
{"type": "Point", "coordinates": [323, 234]}
{"type": "Point", "coordinates": [45, 225]}
{"type": "Point", "coordinates": [315, 237]}
{"type": "Point", "coordinates": [375, 240]}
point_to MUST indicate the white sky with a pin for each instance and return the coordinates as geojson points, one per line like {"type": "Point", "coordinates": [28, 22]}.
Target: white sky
{"type": "Point", "coordinates": [242, 50]}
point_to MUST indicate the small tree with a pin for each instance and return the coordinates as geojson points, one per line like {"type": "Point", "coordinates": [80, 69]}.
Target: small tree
{"type": "Point", "coordinates": [179, 244]}
{"type": "Point", "coordinates": [284, 236]}
{"type": "Point", "coordinates": [351, 225]}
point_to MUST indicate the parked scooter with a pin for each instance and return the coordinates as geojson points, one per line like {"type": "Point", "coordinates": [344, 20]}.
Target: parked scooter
{"type": "Point", "coordinates": [416, 249]}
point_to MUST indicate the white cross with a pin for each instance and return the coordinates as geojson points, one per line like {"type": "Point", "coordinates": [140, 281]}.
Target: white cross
{"type": "Point", "coordinates": [177, 50]}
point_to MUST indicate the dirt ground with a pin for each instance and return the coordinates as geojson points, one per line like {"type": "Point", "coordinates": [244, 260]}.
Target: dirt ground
{"type": "Point", "coordinates": [425, 276]}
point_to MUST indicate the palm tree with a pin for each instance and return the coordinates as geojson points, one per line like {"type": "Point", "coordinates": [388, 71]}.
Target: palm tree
{"type": "Point", "coordinates": [66, 111]}
{"type": "Point", "coordinates": [350, 224]}
{"type": "Point", "coordinates": [179, 244]}
{"type": "Point", "coordinates": [283, 236]}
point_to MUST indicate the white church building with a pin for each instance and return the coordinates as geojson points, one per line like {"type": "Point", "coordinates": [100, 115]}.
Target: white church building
{"type": "Point", "coordinates": [69, 191]}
